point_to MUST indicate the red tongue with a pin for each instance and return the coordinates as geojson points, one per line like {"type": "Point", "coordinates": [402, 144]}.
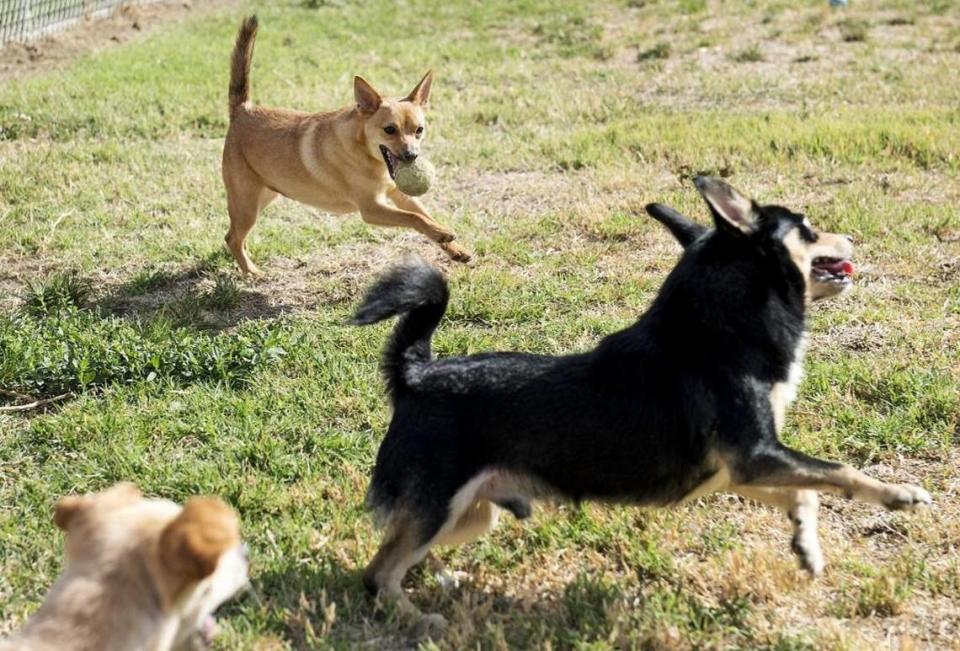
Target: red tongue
{"type": "Point", "coordinates": [842, 267]}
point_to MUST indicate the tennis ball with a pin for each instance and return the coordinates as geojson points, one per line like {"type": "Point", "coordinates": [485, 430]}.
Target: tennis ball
{"type": "Point", "coordinates": [414, 177]}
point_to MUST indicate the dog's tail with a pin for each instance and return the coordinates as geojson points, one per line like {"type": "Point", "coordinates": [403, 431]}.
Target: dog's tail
{"type": "Point", "coordinates": [240, 63]}
{"type": "Point", "coordinates": [418, 293]}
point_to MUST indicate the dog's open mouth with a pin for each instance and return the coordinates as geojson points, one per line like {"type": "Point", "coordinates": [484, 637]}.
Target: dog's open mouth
{"type": "Point", "coordinates": [833, 270]}
{"type": "Point", "coordinates": [389, 159]}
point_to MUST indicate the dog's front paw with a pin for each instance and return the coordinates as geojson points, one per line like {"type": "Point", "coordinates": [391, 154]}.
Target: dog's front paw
{"type": "Point", "coordinates": [456, 252]}
{"type": "Point", "coordinates": [906, 497]}
{"type": "Point", "coordinates": [807, 548]}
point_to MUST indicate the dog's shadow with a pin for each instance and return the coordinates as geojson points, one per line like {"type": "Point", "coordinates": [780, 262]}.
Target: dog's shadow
{"type": "Point", "coordinates": [320, 603]}
{"type": "Point", "coordinates": [324, 603]}
{"type": "Point", "coordinates": [204, 296]}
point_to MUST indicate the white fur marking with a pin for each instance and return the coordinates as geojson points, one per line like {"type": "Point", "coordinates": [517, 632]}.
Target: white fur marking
{"type": "Point", "coordinates": [229, 577]}
{"type": "Point", "coordinates": [308, 154]}
{"type": "Point", "coordinates": [783, 394]}
{"type": "Point", "coordinates": [806, 542]}
{"type": "Point", "coordinates": [464, 499]}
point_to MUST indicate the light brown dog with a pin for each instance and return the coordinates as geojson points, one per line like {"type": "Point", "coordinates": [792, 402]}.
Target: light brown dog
{"type": "Point", "coordinates": [341, 161]}
{"type": "Point", "coordinates": [141, 574]}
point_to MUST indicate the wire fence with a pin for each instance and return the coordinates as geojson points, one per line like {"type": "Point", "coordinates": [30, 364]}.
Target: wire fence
{"type": "Point", "coordinates": [26, 20]}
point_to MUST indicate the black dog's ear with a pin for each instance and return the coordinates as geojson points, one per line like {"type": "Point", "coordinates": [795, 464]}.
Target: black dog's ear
{"type": "Point", "coordinates": [684, 229]}
{"type": "Point", "coordinates": [731, 210]}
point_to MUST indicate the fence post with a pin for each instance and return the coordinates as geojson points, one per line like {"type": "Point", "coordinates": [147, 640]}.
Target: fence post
{"type": "Point", "coordinates": [24, 17]}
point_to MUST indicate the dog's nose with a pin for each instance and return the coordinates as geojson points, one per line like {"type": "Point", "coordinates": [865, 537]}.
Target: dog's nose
{"type": "Point", "coordinates": [410, 156]}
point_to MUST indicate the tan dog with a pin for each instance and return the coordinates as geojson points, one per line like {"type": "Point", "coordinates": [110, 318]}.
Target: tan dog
{"type": "Point", "coordinates": [141, 574]}
{"type": "Point", "coordinates": [341, 161]}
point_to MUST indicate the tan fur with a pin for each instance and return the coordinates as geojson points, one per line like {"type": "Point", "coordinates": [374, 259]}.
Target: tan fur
{"type": "Point", "coordinates": [397, 554]}
{"type": "Point", "coordinates": [718, 481]}
{"type": "Point", "coordinates": [828, 245]}
{"type": "Point", "coordinates": [190, 547]}
{"type": "Point", "coordinates": [849, 482]}
{"type": "Point", "coordinates": [140, 573]}
{"type": "Point", "coordinates": [331, 161]}
{"type": "Point", "coordinates": [801, 507]}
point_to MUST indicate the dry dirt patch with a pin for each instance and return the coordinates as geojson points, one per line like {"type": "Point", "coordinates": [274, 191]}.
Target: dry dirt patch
{"type": "Point", "coordinates": [130, 23]}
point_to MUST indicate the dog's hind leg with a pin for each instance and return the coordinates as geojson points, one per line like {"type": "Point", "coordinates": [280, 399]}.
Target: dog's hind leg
{"type": "Point", "coordinates": [801, 507]}
{"type": "Point", "coordinates": [479, 518]}
{"type": "Point", "coordinates": [777, 466]}
{"type": "Point", "coordinates": [406, 543]}
{"type": "Point", "coordinates": [246, 197]}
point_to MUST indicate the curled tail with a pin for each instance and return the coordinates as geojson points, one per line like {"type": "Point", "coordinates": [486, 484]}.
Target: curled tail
{"type": "Point", "coordinates": [418, 293]}
{"type": "Point", "coordinates": [240, 63]}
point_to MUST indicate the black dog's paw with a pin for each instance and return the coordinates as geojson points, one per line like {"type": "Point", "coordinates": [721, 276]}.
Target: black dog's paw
{"type": "Point", "coordinates": [905, 497]}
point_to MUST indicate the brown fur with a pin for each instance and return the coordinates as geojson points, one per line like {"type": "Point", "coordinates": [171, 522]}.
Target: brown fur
{"type": "Point", "coordinates": [331, 161]}
{"type": "Point", "coordinates": [190, 546]}
{"type": "Point", "coordinates": [134, 571]}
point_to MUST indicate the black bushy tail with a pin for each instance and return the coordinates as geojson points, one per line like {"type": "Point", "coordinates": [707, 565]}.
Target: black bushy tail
{"type": "Point", "coordinates": [240, 63]}
{"type": "Point", "coordinates": [418, 293]}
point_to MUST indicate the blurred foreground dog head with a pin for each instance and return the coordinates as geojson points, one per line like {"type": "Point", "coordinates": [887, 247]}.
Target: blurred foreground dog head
{"type": "Point", "coordinates": [139, 573]}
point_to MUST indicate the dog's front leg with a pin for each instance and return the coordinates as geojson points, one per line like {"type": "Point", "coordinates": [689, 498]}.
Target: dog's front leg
{"type": "Point", "coordinates": [773, 465]}
{"type": "Point", "coordinates": [404, 202]}
{"type": "Point", "coordinates": [801, 507]}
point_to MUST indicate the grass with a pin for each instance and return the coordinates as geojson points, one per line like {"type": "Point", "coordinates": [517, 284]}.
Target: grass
{"type": "Point", "coordinates": [749, 54]}
{"type": "Point", "coordinates": [854, 31]}
{"type": "Point", "coordinates": [549, 131]}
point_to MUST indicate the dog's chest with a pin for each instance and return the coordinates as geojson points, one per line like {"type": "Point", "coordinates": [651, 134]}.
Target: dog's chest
{"type": "Point", "coordinates": [784, 393]}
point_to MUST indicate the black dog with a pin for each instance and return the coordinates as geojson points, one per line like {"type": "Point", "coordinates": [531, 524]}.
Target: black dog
{"type": "Point", "coordinates": [687, 401]}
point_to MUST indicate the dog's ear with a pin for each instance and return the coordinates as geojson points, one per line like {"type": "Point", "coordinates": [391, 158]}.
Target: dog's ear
{"type": "Point", "coordinates": [684, 229]}
{"type": "Point", "coordinates": [421, 93]}
{"type": "Point", "coordinates": [731, 210]}
{"type": "Point", "coordinates": [368, 99]}
{"type": "Point", "coordinates": [191, 545]}
{"type": "Point", "coordinates": [68, 508]}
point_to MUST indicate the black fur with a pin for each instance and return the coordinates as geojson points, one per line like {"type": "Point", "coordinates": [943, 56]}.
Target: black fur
{"type": "Point", "coordinates": [643, 418]}
{"type": "Point", "coordinates": [683, 229]}
{"type": "Point", "coordinates": [419, 293]}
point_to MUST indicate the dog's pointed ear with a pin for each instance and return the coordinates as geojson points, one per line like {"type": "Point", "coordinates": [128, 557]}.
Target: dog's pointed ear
{"type": "Point", "coordinates": [191, 545]}
{"type": "Point", "coordinates": [731, 210]}
{"type": "Point", "coordinates": [421, 94]}
{"type": "Point", "coordinates": [68, 508]}
{"type": "Point", "coordinates": [684, 229]}
{"type": "Point", "coordinates": [368, 99]}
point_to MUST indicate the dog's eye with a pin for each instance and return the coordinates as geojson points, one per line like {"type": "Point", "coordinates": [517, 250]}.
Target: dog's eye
{"type": "Point", "coordinates": [808, 234]}
{"type": "Point", "coordinates": [419, 131]}
{"type": "Point", "coordinates": [390, 129]}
